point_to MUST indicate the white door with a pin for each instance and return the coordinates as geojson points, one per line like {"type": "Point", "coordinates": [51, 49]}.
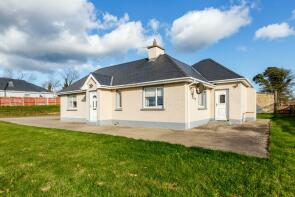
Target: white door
{"type": "Point", "coordinates": [221, 105]}
{"type": "Point", "coordinates": [92, 106]}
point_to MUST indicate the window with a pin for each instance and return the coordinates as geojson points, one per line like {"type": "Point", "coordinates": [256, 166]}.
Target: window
{"type": "Point", "coordinates": [118, 100]}
{"type": "Point", "coordinates": [202, 100]}
{"type": "Point", "coordinates": [222, 98]}
{"type": "Point", "coordinates": [94, 102]}
{"type": "Point", "coordinates": [153, 97]}
{"type": "Point", "coordinates": [72, 102]}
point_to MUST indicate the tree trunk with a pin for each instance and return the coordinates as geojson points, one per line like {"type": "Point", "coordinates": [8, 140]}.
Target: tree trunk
{"type": "Point", "coordinates": [275, 102]}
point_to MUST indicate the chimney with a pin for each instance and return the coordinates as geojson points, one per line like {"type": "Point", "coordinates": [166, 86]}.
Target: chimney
{"type": "Point", "coordinates": [155, 50]}
{"type": "Point", "coordinates": [10, 84]}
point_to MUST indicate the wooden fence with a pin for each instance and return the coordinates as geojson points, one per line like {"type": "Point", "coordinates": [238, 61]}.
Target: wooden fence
{"type": "Point", "coordinates": [28, 101]}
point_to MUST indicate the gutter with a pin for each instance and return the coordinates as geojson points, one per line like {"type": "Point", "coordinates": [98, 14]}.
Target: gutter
{"type": "Point", "coordinates": [165, 81]}
{"type": "Point", "coordinates": [243, 80]}
{"type": "Point", "coordinates": [70, 92]}
{"type": "Point", "coordinates": [156, 82]}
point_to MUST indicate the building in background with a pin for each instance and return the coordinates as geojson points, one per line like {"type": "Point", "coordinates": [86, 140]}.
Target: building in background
{"type": "Point", "coordinates": [21, 88]}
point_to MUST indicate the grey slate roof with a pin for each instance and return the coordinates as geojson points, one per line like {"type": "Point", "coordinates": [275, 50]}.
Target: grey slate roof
{"type": "Point", "coordinates": [212, 70]}
{"type": "Point", "coordinates": [75, 86]}
{"type": "Point", "coordinates": [19, 85]}
{"type": "Point", "coordinates": [164, 67]}
{"type": "Point", "coordinates": [102, 79]}
{"type": "Point", "coordinates": [143, 70]}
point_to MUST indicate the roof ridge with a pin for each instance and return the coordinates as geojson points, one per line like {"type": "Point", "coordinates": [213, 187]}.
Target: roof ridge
{"type": "Point", "coordinates": [36, 86]}
{"type": "Point", "coordinates": [189, 67]}
{"type": "Point", "coordinates": [115, 65]}
{"type": "Point", "coordinates": [173, 60]}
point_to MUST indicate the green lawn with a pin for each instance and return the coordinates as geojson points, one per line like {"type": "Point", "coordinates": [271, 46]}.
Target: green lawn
{"type": "Point", "coordinates": [40, 162]}
{"type": "Point", "coordinates": [20, 111]}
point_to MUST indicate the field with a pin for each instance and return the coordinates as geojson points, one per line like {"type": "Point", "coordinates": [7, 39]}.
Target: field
{"type": "Point", "coordinates": [51, 162]}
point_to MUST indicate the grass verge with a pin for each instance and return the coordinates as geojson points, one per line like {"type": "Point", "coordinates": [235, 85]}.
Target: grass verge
{"type": "Point", "coordinates": [20, 111]}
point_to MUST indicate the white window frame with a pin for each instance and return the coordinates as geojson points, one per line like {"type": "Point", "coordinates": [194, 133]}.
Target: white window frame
{"type": "Point", "coordinates": [70, 102]}
{"type": "Point", "coordinates": [156, 98]}
{"type": "Point", "coordinates": [118, 102]}
{"type": "Point", "coordinates": [200, 98]}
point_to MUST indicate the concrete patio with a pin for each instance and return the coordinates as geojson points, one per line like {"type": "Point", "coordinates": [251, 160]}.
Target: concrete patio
{"type": "Point", "coordinates": [250, 138]}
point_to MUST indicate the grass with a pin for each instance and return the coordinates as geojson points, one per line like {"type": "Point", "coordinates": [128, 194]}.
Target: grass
{"type": "Point", "coordinates": [20, 111]}
{"type": "Point", "coordinates": [50, 162]}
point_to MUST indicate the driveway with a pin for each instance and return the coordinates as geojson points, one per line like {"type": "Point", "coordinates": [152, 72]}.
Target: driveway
{"type": "Point", "coordinates": [249, 138]}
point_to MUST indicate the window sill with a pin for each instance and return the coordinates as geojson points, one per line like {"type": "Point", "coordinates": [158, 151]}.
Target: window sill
{"type": "Point", "coordinates": [202, 108]}
{"type": "Point", "coordinates": [119, 109]}
{"type": "Point", "coordinates": [72, 109]}
{"type": "Point", "coordinates": [152, 109]}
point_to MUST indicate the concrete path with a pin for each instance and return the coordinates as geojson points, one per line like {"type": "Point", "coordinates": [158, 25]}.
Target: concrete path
{"type": "Point", "coordinates": [249, 138]}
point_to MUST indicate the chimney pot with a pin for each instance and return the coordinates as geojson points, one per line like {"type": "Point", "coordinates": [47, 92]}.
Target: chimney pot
{"type": "Point", "coordinates": [155, 50]}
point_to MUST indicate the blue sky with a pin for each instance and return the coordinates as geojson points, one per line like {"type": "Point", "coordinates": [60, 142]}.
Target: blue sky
{"type": "Point", "coordinates": [240, 52]}
{"type": "Point", "coordinates": [85, 35]}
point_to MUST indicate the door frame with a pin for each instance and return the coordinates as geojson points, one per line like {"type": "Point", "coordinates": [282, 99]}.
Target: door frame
{"type": "Point", "coordinates": [89, 105]}
{"type": "Point", "coordinates": [226, 100]}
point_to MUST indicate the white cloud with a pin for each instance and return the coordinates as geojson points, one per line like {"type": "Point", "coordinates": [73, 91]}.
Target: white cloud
{"type": "Point", "coordinates": [242, 48]}
{"type": "Point", "coordinates": [47, 35]}
{"type": "Point", "coordinates": [111, 21]}
{"type": "Point", "coordinates": [274, 31]}
{"type": "Point", "coordinates": [154, 24]}
{"type": "Point", "coordinates": [255, 4]}
{"type": "Point", "coordinates": [200, 28]}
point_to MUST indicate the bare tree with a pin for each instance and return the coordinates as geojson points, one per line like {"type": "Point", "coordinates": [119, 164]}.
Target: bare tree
{"type": "Point", "coordinates": [31, 77]}
{"type": "Point", "coordinates": [18, 74]}
{"type": "Point", "coordinates": [8, 73]}
{"type": "Point", "coordinates": [69, 77]}
{"type": "Point", "coordinates": [26, 77]}
{"type": "Point", "coordinates": [52, 85]}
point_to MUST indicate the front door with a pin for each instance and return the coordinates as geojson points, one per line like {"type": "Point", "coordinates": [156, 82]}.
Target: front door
{"type": "Point", "coordinates": [221, 105]}
{"type": "Point", "coordinates": [92, 106]}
